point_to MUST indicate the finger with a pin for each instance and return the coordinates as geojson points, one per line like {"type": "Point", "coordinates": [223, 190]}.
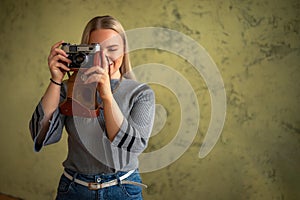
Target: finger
{"type": "Point", "coordinates": [110, 62]}
{"type": "Point", "coordinates": [61, 52]}
{"type": "Point", "coordinates": [94, 78]}
{"type": "Point", "coordinates": [60, 59]}
{"type": "Point", "coordinates": [60, 66]}
{"type": "Point", "coordinates": [97, 59]}
{"type": "Point", "coordinates": [94, 69]}
{"type": "Point", "coordinates": [55, 51]}
{"type": "Point", "coordinates": [104, 62]}
{"type": "Point", "coordinates": [56, 45]}
{"type": "Point", "coordinates": [63, 67]}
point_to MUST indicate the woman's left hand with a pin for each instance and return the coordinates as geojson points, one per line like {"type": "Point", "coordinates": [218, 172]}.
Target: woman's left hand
{"type": "Point", "coordinates": [100, 74]}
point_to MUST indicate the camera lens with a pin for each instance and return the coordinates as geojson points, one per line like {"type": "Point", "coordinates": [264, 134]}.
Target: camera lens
{"type": "Point", "coordinates": [80, 58]}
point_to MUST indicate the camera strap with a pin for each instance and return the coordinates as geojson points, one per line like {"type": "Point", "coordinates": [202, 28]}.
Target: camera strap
{"type": "Point", "coordinates": [72, 106]}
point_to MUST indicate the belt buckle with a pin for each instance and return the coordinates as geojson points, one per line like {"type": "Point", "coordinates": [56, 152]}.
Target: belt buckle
{"type": "Point", "coordinates": [94, 186]}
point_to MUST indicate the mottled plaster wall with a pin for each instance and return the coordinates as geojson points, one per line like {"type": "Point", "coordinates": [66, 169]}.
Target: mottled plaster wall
{"type": "Point", "coordinates": [255, 45]}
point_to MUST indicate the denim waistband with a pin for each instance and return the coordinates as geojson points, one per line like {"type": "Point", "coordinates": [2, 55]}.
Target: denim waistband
{"type": "Point", "coordinates": [91, 178]}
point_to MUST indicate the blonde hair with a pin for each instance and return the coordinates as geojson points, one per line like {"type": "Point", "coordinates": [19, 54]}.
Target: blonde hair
{"type": "Point", "coordinates": [108, 22]}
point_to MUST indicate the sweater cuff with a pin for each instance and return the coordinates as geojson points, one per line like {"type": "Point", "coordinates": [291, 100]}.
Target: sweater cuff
{"type": "Point", "coordinates": [120, 138]}
{"type": "Point", "coordinates": [50, 136]}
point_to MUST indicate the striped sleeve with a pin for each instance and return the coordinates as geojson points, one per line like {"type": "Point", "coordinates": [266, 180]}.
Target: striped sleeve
{"type": "Point", "coordinates": [54, 132]}
{"type": "Point", "coordinates": [136, 129]}
{"type": "Point", "coordinates": [42, 135]}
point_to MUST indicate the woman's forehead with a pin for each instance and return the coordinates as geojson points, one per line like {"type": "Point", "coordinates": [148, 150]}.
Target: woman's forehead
{"type": "Point", "coordinates": [105, 37]}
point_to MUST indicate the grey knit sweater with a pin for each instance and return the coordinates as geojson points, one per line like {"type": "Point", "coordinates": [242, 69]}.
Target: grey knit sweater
{"type": "Point", "coordinates": [89, 149]}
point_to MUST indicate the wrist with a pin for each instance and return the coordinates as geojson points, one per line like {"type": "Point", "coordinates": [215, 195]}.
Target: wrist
{"type": "Point", "coordinates": [53, 81]}
{"type": "Point", "coordinates": [107, 100]}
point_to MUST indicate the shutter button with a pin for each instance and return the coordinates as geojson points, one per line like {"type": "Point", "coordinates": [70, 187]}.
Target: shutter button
{"type": "Point", "coordinates": [98, 180]}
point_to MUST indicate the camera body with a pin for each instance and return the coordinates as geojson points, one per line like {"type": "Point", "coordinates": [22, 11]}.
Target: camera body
{"type": "Point", "coordinates": [82, 55]}
{"type": "Point", "coordinates": [81, 98]}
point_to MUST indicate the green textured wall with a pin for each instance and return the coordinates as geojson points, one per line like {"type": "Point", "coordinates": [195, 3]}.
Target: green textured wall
{"type": "Point", "coordinates": [255, 45]}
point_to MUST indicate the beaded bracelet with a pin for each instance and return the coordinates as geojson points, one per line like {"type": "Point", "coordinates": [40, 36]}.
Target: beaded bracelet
{"type": "Point", "coordinates": [56, 83]}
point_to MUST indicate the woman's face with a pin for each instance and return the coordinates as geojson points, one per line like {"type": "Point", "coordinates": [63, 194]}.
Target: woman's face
{"type": "Point", "coordinates": [112, 46]}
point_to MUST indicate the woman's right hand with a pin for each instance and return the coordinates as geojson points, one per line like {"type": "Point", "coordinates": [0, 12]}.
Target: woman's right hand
{"type": "Point", "coordinates": [56, 62]}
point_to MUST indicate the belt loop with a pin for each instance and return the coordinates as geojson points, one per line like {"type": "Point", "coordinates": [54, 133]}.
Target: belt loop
{"type": "Point", "coordinates": [74, 177]}
{"type": "Point", "coordinates": [118, 178]}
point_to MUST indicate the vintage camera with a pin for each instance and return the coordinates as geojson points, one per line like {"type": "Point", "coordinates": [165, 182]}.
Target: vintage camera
{"type": "Point", "coordinates": [81, 98]}
{"type": "Point", "coordinates": [82, 56]}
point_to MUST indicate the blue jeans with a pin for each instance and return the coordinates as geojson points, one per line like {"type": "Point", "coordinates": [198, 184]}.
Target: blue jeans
{"type": "Point", "coordinates": [69, 190]}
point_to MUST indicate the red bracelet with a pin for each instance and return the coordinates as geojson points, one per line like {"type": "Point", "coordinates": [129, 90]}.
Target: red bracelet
{"type": "Point", "coordinates": [56, 83]}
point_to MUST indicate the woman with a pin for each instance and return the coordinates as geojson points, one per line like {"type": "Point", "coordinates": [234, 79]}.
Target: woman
{"type": "Point", "coordinates": [102, 150]}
